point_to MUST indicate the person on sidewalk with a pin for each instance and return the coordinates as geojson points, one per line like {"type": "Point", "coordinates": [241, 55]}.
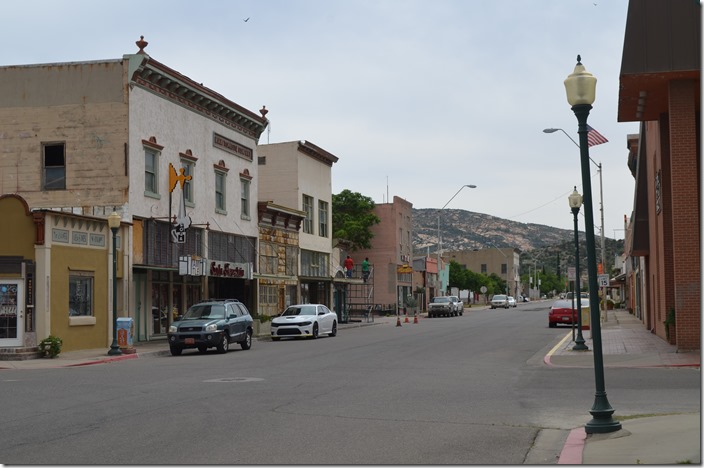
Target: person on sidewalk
{"type": "Point", "coordinates": [365, 269]}
{"type": "Point", "coordinates": [349, 265]}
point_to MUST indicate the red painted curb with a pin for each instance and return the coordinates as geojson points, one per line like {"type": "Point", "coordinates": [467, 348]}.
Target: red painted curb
{"type": "Point", "coordinates": [574, 448]}
{"type": "Point", "coordinates": [105, 360]}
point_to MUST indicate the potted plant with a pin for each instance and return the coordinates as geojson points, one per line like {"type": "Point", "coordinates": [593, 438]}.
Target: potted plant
{"type": "Point", "coordinates": [262, 325]}
{"type": "Point", "coordinates": [50, 346]}
{"type": "Point", "coordinates": [669, 323]}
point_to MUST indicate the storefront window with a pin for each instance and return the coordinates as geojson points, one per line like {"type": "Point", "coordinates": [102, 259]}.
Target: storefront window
{"type": "Point", "coordinates": [80, 294]}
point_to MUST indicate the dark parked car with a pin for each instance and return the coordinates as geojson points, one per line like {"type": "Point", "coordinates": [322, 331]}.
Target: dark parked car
{"type": "Point", "coordinates": [212, 324]}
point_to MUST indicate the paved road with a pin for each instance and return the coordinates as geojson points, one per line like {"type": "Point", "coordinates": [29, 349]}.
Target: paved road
{"type": "Point", "coordinates": [461, 390]}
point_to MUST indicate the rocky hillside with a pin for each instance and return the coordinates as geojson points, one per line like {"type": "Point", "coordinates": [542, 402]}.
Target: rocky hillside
{"type": "Point", "coordinates": [461, 229]}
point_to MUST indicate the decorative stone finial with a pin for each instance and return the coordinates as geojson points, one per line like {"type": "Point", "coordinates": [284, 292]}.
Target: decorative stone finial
{"type": "Point", "coordinates": [263, 111]}
{"type": "Point", "coordinates": [141, 43]}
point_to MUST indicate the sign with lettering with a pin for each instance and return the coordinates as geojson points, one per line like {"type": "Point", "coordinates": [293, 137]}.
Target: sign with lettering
{"type": "Point", "coordinates": [59, 235]}
{"type": "Point", "coordinates": [231, 146]}
{"type": "Point", "coordinates": [230, 270]}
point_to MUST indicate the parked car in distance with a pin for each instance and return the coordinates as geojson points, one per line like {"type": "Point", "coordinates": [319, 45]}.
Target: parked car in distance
{"type": "Point", "coordinates": [212, 324]}
{"type": "Point", "coordinates": [304, 320]}
{"type": "Point", "coordinates": [562, 312]}
{"type": "Point", "coordinates": [459, 305]}
{"type": "Point", "coordinates": [442, 306]}
{"type": "Point", "coordinates": [499, 300]}
{"type": "Point", "coordinates": [512, 302]}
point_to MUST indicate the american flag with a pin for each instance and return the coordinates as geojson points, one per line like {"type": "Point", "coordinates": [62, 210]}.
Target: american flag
{"type": "Point", "coordinates": [595, 138]}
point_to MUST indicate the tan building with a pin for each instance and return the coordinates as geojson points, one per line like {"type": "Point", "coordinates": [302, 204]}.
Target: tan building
{"type": "Point", "coordinates": [505, 263]}
{"type": "Point", "coordinates": [391, 253]}
{"type": "Point", "coordinates": [298, 174]}
{"type": "Point", "coordinates": [176, 160]}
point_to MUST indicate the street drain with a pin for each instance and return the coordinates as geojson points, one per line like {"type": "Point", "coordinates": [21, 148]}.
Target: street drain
{"type": "Point", "coordinates": [235, 379]}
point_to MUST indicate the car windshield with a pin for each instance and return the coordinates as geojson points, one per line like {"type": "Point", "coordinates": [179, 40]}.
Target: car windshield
{"type": "Point", "coordinates": [438, 300]}
{"type": "Point", "coordinates": [205, 311]}
{"type": "Point", "coordinates": [300, 310]}
{"type": "Point", "coordinates": [499, 297]}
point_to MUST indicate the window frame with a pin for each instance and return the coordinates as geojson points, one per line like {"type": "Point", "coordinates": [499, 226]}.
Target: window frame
{"type": "Point", "coordinates": [189, 168]}
{"type": "Point", "coordinates": [88, 276]}
{"type": "Point", "coordinates": [323, 214]}
{"type": "Point", "coordinates": [57, 183]}
{"type": "Point", "coordinates": [245, 198]}
{"type": "Point", "coordinates": [220, 175]}
{"type": "Point", "coordinates": [307, 205]}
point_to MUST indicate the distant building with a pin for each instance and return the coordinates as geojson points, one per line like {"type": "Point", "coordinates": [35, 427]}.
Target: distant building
{"type": "Point", "coordinates": [391, 253]}
{"type": "Point", "coordinates": [505, 263]}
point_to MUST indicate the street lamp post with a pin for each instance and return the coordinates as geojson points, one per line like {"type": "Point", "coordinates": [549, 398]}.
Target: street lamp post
{"type": "Point", "coordinates": [601, 202]}
{"type": "Point", "coordinates": [575, 200]}
{"type": "Point", "coordinates": [114, 224]}
{"type": "Point", "coordinates": [581, 93]}
{"type": "Point", "coordinates": [439, 252]}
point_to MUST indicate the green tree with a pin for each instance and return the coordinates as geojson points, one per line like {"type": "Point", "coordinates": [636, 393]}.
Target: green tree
{"type": "Point", "coordinates": [352, 217]}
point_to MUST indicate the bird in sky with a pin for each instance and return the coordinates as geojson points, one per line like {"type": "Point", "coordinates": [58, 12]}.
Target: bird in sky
{"type": "Point", "coordinates": [246, 19]}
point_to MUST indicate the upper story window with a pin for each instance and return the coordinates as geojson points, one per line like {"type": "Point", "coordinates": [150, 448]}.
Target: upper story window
{"type": "Point", "coordinates": [245, 197]}
{"type": "Point", "coordinates": [220, 187]}
{"type": "Point", "coordinates": [220, 205]}
{"type": "Point", "coordinates": [54, 166]}
{"type": "Point", "coordinates": [188, 163]}
{"type": "Point", "coordinates": [308, 209]}
{"type": "Point", "coordinates": [323, 218]}
{"type": "Point", "coordinates": [152, 152]}
{"type": "Point", "coordinates": [504, 268]}
{"type": "Point", "coordinates": [483, 269]}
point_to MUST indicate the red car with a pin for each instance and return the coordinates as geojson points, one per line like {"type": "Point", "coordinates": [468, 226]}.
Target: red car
{"type": "Point", "coordinates": [562, 312]}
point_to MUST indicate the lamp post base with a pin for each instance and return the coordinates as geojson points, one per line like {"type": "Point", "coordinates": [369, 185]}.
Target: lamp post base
{"type": "Point", "coordinates": [114, 350]}
{"type": "Point", "coordinates": [602, 426]}
{"type": "Point", "coordinates": [580, 346]}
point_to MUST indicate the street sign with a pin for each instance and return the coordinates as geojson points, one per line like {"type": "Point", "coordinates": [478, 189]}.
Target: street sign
{"type": "Point", "coordinates": [483, 289]}
{"type": "Point", "coordinates": [178, 234]}
{"type": "Point", "coordinates": [571, 273]}
{"type": "Point", "coordinates": [603, 281]}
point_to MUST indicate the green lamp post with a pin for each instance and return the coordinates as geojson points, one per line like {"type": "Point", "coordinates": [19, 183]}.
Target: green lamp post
{"type": "Point", "coordinates": [581, 93]}
{"type": "Point", "coordinates": [575, 200]}
{"type": "Point", "coordinates": [114, 224]}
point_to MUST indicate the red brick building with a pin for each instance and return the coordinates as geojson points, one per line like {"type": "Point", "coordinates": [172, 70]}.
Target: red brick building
{"type": "Point", "coordinates": [660, 87]}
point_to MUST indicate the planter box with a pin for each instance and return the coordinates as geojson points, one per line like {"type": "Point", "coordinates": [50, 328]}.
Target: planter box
{"type": "Point", "coordinates": [262, 329]}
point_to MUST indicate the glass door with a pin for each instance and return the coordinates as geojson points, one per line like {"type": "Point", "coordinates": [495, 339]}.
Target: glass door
{"type": "Point", "coordinates": [11, 313]}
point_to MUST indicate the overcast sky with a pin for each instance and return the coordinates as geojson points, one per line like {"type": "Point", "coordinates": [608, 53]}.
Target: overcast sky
{"type": "Point", "coordinates": [415, 98]}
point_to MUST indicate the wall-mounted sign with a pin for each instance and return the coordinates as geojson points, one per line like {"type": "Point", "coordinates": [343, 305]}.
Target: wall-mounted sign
{"type": "Point", "coordinates": [192, 265]}
{"type": "Point", "coordinates": [231, 146]}
{"type": "Point", "coordinates": [404, 269]}
{"type": "Point", "coordinates": [230, 270]}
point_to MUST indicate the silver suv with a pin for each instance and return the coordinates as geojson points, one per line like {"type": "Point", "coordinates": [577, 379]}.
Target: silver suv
{"type": "Point", "coordinates": [442, 306]}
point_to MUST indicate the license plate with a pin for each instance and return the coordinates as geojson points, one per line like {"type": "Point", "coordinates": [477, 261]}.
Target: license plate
{"type": "Point", "coordinates": [566, 319]}
{"type": "Point", "coordinates": [190, 341]}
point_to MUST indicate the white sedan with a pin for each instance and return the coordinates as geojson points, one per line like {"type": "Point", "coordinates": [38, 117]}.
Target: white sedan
{"type": "Point", "coordinates": [512, 302]}
{"type": "Point", "coordinates": [307, 320]}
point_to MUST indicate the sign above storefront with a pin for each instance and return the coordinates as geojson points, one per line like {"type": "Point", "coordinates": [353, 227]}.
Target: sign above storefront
{"type": "Point", "coordinates": [231, 270]}
{"type": "Point", "coordinates": [192, 265]}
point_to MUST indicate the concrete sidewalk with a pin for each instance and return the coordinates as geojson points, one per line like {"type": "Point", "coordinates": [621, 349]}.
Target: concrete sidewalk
{"type": "Point", "coordinates": [664, 439]}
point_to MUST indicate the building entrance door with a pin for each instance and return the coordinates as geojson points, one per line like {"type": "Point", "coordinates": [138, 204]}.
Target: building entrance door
{"type": "Point", "coordinates": [11, 313]}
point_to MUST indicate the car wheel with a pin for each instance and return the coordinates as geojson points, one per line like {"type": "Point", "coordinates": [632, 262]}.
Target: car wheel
{"type": "Point", "coordinates": [552, 325]}
{"type": "Point", "coordinates": [224, 344]}
{"type": "Point", "coordinates": [461, 313]}
{"type": "Point", "coordinates": [334, 329]}
{"type": "Point", "coordinates": [315, 331]}
{"type": "Point", "coordinates": [175, 351]}
{"type": "Point", "coordinates": [202, 349]}
{"type": "Point", "coordinates": [247, 342]}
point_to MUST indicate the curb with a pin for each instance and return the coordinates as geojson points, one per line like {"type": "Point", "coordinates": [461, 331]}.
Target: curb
{"type": "Point", "coordinates": [574, 448]}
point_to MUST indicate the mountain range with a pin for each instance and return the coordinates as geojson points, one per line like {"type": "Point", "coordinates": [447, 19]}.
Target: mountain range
{"type": "Point", "coordinates": [548, 246]}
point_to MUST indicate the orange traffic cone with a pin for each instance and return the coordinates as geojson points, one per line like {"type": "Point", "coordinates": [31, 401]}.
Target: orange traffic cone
{"type": "Point", "coordinates": [405, 320]}
{"type": "Point", "coordinates": [398, 320]}
{"type": "Point", "coordinates": [415, 318]}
